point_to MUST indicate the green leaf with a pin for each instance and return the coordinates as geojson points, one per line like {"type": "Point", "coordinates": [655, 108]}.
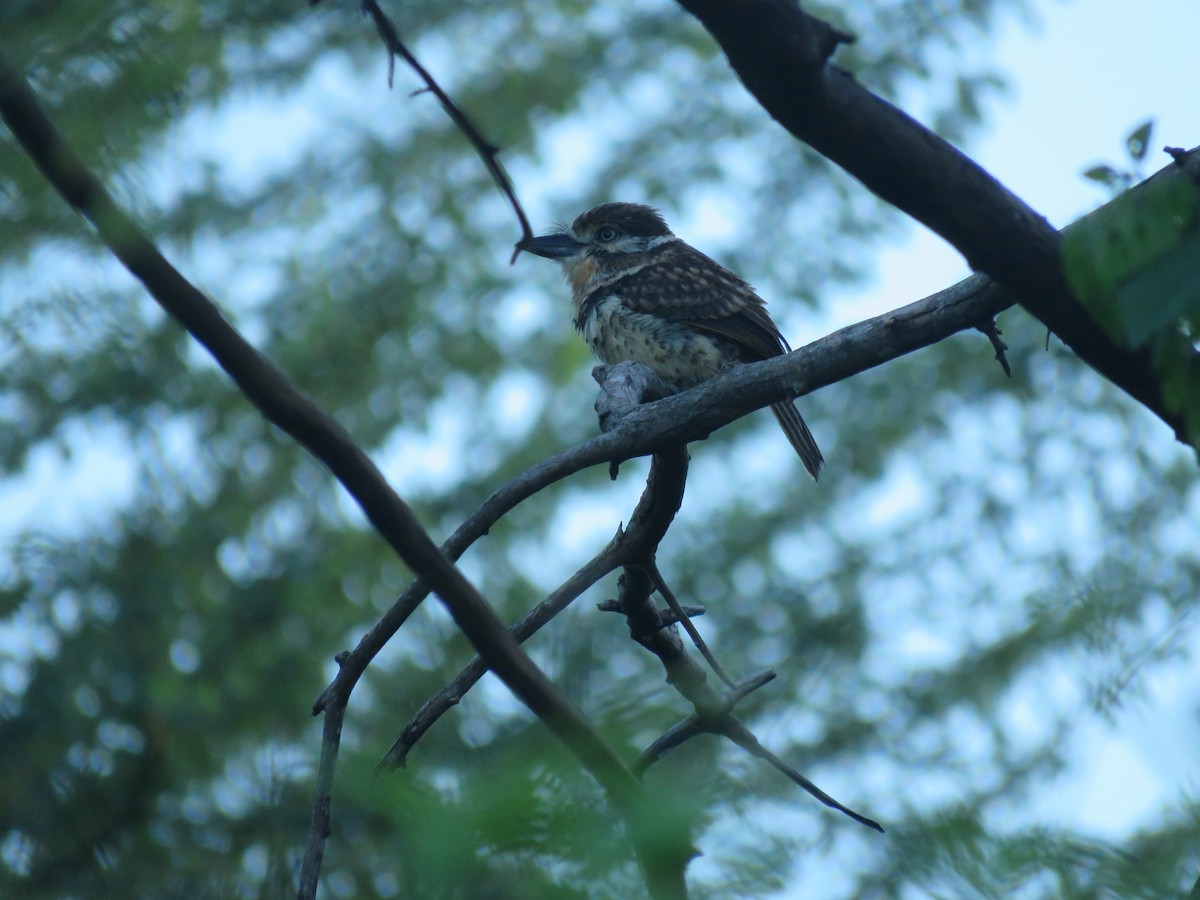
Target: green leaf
{"type": "Point", "coordinates": [1139, 140]}
{"type": "Point", "coordinates": [1106, 175]}
{"type": "Point", "coordinates": [1162, 293]}
{"type": "Point", "coordinates": [1113, 248]}
{"type": "Point", "coordinates": [1181, 385]}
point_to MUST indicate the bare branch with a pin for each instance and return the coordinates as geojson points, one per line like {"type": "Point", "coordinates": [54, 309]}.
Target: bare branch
{"type": "Point", "coordinates": [696, 414]}
{"type": "Point", "coordinates": [440, 703]}
{"type": "Point", "coordinates": [713, 711]}
{"type": "Point", "coordinates": [320, 827]}
{"type": "Point", "coordinates": [694, 726]}
{"type": "Point", "coordinates": [680, 615]}
{"type": "Point", "coordinates": [655, 511]}
{"type": "Point", "coordinates": [733, 729]}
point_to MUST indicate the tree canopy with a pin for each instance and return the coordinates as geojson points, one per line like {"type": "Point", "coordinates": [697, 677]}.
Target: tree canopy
{"type": "Point", "coordinates": [987, 562]}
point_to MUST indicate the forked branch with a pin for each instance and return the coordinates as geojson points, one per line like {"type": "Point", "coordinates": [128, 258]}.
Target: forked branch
{"type": "Point", "coordinates": [635, 549]}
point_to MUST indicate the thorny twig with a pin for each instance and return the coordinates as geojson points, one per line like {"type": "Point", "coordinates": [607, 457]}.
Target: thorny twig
{"type": "Point", "coordinates": [993, 332]}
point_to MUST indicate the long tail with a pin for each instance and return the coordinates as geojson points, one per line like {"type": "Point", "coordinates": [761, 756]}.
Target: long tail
{"type": "Point", "coordinates": [800, 437]}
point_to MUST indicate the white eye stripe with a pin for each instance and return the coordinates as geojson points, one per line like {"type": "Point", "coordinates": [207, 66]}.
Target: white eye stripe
{"type": "Point", "coordinates": [659, 241]}
{"type": "Point", "coordinates": [630, 243]}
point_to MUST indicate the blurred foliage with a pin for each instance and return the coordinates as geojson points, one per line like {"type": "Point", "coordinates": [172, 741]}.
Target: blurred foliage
{"type": "Point", "coordinates": [1136, 266]}
{"type": "Point", "coordinates": [989, 567]}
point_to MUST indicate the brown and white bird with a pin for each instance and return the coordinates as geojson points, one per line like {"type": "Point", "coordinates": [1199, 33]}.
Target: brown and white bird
{"type": "Point", "coordinates": [640, 293]}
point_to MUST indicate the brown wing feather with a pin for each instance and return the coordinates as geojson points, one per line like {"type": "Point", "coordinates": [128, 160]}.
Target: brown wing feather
{"type": "Point", "coordinates": [680, 283]}
{"type": "Point", "coordinates": [756, 333]}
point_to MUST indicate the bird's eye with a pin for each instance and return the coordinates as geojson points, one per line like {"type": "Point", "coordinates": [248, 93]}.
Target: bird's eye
{"type": "Point", "coordinates": [608, 233]}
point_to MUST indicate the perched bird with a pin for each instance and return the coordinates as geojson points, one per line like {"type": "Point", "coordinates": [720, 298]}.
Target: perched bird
{"type": "Point", "coordinates": [640, 293]}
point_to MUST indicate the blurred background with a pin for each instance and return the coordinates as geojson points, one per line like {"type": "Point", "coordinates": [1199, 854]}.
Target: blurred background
{"type": "Point", "coordinates": [983, 618]}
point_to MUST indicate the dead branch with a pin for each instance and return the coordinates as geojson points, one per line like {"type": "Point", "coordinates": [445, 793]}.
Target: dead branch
{"type": "Point", "coordinates": [695, 414]}
{"type": "Point", "coordinates": [713, 711]}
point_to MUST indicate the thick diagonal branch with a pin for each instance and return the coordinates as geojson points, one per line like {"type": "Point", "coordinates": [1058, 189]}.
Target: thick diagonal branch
{"type": "Point", "coordinates": [781, 55]}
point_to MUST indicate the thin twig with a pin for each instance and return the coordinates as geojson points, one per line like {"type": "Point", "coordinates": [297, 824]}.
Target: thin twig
{"type": "Point", "coordinates": [718, 719]}
{"type": "Point", "coordinates": [713, 711]}
{"type": "Point", "coordinates": [647, 525]}
{"type": "Point", "coordinates": [675, 736]}
{"type": "Point", "coordinates": [488, 152]}
{"type": "Point", "coordinates": [681, 616]}
{"type": "Point", "coordinates": [505, 498]}
{"type": "Point", "coordinates": [742, 736]}
{"type": "Point", "coordinates": [694, 725]}
{"type": "Point", "coordinates": [320, 826]}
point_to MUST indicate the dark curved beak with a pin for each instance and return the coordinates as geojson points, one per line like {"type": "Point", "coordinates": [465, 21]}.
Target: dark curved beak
{"type": "Point", "coordinates": [551, 246]}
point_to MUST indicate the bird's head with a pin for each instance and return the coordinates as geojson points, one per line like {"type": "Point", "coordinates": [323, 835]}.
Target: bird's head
{"type": "Point", "coordinates": [604, 233]}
